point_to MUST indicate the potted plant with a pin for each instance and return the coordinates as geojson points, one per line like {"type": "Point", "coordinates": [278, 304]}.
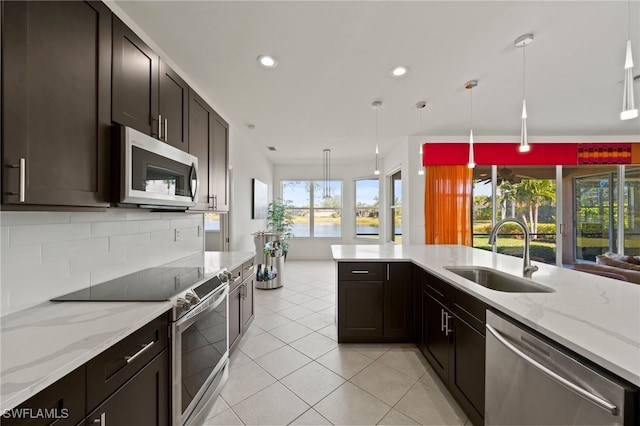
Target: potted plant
{"type": "Point", "coordinates": [279, 220]}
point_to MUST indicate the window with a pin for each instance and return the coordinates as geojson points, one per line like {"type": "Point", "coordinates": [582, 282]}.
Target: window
{"type": "Point", "coordinates": [396, 207]}
{"type": "Point", "coordinates": [314, 215]}
{"type": "Point", "coordinates": [212, 221]}
{"type": "Point", "coordinates": [368, 208]}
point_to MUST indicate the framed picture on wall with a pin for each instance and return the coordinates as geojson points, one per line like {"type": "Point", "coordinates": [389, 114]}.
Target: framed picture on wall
{"type": "Point", "coordinates": [260, 199]}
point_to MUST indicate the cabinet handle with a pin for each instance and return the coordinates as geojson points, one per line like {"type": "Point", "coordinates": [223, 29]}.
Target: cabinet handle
{"type": "Point", "coordinates": [441, 319]}
{"type": "Point", "coordinates": [22, 170]}
{"type": "Point", "coordinates": [166, 124]}
{"type": "Point", "coordinates": [447, 317]}
{"type": "Point", "coordinates": [102, 420]}
{"type": "Point", "coordinates": [159, 126]}
{"type": "Point", "coordinates": [388, 272]}
{"type": "Point", "coordinates": [140, 352]}
{"type": "Point", "coordinates": [215, 202]}
{"type": "Point", "coordinates": [359, 272]}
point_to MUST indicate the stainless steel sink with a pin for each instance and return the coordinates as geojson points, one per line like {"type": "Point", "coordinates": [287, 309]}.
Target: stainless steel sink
{"type": "Point", "coordinates": [496, 280]}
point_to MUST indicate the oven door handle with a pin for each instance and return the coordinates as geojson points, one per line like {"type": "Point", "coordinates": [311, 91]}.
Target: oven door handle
{"type": "Point", "coordinates": [213, 302]}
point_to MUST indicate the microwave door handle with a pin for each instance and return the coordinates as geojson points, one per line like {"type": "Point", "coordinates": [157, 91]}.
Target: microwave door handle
{"type": "Point", "coordinates": [193, 176]}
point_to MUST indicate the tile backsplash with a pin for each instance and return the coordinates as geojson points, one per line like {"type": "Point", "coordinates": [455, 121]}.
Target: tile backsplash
{"type": "Point", "coordinates": [48, 254]}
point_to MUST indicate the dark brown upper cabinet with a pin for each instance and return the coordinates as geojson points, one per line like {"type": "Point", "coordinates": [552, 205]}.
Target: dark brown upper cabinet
{"type": "Point", "coordinates": [147, 94]}
{"type": "Point", "coordinates": [174, 108]}
{"type": "Point", "coordinates": [209, 141]}
{"type": "Point", "coordinates": [56, 79]}
{"type": "Point", "coordinates": [135, 81]}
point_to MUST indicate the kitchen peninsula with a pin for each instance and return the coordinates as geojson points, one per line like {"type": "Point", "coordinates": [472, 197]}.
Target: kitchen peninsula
{"type": "Point", "coordinates": [595, 317]}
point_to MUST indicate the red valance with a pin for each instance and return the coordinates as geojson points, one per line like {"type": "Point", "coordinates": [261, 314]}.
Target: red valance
{"type": "Point", "coordinates": [541, 154]}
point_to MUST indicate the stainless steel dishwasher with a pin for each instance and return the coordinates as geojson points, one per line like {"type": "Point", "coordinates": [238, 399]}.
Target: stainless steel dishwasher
{"type": "Point", "coordinates": [531, 381]}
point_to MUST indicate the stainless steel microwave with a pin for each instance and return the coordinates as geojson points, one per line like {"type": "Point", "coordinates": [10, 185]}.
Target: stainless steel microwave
{"type": "Point", "coordinates": [155, 174]}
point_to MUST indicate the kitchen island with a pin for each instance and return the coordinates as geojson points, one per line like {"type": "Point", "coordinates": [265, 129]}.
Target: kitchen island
{"type": "Point", "coordinates": [596, 317]}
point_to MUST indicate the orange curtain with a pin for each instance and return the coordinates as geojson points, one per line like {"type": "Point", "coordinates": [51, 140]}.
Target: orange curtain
{"type": "Point", "coordinates": [447, 205]}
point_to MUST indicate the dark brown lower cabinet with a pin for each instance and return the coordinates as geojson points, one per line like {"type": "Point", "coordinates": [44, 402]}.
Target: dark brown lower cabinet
{"type": "Point", "coordinates": [142, 401]}
{"type": "Point", "coordinates": [126, 385]}
{"type": "Point", "coordinates": [375, 302]}
{"type": "Point", "coordinates": [241, 303]}
{"type": "Point", "coordinates": [453, 342]}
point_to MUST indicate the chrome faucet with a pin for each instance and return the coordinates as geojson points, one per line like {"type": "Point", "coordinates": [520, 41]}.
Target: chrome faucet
{"type": "Point", "coordinates": [527, 268]}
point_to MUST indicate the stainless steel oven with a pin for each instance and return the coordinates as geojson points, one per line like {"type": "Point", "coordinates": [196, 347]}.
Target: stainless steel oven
{"type": "Point", "coordinates": [200, 351]}
{"type": "Point", "coordinates": [155, 174]}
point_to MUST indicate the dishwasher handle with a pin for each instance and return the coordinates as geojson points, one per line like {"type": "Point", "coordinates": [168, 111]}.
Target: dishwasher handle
{"type": "Point", "coordinates": [594, 399]}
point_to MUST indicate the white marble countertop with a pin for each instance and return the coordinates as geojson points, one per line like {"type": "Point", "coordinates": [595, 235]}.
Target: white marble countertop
{"type": "Point", "coordinates": [597, 317]}
{"type": "Point", "coordinates": [42, 344]}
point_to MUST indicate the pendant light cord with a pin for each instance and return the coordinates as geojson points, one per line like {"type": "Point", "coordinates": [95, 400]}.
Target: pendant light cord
{"type": "Point", "coordinates": [524, 72]}
{"type": "Point", "coordinates": [471, 108]}
{"type": "Point", "coordinates": [629, 18]}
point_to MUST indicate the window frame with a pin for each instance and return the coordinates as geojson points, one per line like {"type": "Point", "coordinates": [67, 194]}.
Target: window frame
{"type": "Point", "coordinates": [312, 208]}
{"type": "Point", "coordinates": [373, 237]}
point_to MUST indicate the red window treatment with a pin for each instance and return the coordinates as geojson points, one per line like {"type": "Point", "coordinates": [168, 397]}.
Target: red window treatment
{"type": "Point", "coordinates": [447, 205]}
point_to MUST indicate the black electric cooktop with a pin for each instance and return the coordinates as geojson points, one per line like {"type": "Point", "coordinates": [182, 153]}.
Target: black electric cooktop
{"type": "Point", "coordinates": [149, 285]}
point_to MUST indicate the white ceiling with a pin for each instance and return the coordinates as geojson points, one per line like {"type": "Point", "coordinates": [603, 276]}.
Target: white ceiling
{"type": "Point", "coordinates": [335, 57]}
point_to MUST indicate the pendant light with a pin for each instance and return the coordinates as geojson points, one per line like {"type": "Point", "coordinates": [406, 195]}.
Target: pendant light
{"type": "Point", "coordinates": [377, 105]}
{"type": "Point", "coordinates": [629, 109]}
{"type": "Point", "coordinates": [420, 106]}
{"type": "Point", "coordinates": [523, 41]}
{"type": "Point", "coordinates": [326, 172]}
{"type": "Point", "coordinates": [469, 85]}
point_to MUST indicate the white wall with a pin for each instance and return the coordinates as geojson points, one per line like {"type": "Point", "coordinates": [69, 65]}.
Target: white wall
{"type": "Point", "coordinates": [320, 248]}
{"type": "Point", "coordinates": [48, 254]}
{"type": "Point", "coordinates": [246, 163]}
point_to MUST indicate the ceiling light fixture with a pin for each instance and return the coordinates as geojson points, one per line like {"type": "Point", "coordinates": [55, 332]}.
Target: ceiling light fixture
{"type": "Point", "coordinates": [399, 71]}
{"type": "Point", "coordinates": [629, 109]}
{"type": "Point", "coordinates": [377, 105]}
{"type": "Point", "coordinates": [420, 106]}
{"type": "Point", "coordinates": [326, 172]}
{"type": "Point", "coordinates": [267, 61]}
{"type": "Point", "coordinates": [523, 41]}
{"type": "Point", "coordinates": [469, 85]}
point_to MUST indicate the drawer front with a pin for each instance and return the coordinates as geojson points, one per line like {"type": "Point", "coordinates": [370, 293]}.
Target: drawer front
{"type": "Point", "coordinates": [248, 269]}
{"type": "Point", "coordinates": [470, 309]}
{"type": "Point", "coordinates": [361, 271]}
{"type": "Point", "coordinates": [63, 400]}
{"type": "Point", "coordinates": [437, 288]}
{"type": "Point", "coordinates": [113, 367]}
{"type": "Point", "coordinates": [236, 278]}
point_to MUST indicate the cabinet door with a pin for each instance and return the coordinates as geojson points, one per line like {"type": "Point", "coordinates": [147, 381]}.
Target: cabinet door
{"type": "Point", "coordinates": [467, 375]}
{"type": "Point", "coordinates": [360, 311]}
{"type": "Point", "coordinates": [135, 81]}
{"type": "Point", "coordinates": [398, 302]}
{"type": "Point", "coordinates": [436, 342]}
{"type": "Point", "coordinates": [247, 303]}
{"type": "Point", "coordinates": [200, 139]}
{"type": "Point", "coordinates": [235, 317]}
{"type": "Point", "coordinates": [417, 304]}
{"type": "Point", "coordinates": [219, 164]}
{"type": "Point", "coordinates": [174, 108]}
{"type": "Point", "coordinates": [56, 72]}
{"type": "Point", "coordinates": [143, 400]}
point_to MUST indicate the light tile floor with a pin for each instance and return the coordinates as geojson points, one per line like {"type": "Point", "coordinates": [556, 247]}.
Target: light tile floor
{"type": "Point", "coordinates": [289, 368]}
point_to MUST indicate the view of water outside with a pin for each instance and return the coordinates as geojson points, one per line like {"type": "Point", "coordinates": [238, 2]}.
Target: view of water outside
{"type": "Point", "coordinates": [311, 199]}
{"type": "Point", "coordinates": [368, 208]}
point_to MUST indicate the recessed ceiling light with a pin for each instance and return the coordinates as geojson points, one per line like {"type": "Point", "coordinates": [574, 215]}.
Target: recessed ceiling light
{"type": "Point", "coordinates": [399, 71]}
{"type": "Point", "coordinates": [267, 61]}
